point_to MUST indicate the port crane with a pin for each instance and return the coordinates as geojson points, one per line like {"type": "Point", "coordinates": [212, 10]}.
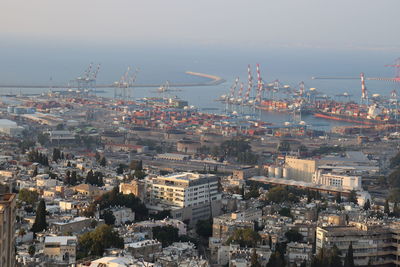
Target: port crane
{"type": "Point", "coordinates": [396, 78]}
{"type": "Point", "coordinates": [87, 81]}
{"type": "Point", "coordinates": [123, 87]}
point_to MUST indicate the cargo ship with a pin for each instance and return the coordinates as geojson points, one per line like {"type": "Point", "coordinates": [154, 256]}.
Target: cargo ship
{"type": "Point", "coordinates": [354, 113]}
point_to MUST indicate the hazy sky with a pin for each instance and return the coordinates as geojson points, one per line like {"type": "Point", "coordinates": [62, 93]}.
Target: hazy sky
{"type": "Point", "coordinates": [360, 24]}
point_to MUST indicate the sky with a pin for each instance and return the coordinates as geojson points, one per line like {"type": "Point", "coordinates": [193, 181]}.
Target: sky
{"type": "Point", "coordinates": [339, 24]}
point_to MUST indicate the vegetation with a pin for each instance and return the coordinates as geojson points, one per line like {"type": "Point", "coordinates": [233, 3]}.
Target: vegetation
{"type": "Point", "coordinates": [285, 211]}
{"type": "Point", "coordinates": [57, 154]}
{"type": "Point", "coordinates": [204, 228]}
{"type": "Point", "coordinates": [324, 149]}
{"type": "Point", "coordinates": [114, 198]}
{"type": "Point", "coordinates": [280, 194]}
{"type": "Point", "coordinates": [353, 197]}
{"type": "Point", "coordinates": [43, 138]}
{"type": "Point", "coordinates": [276, 259]}
{"type": "Point", "coordinates": [254, 259]}
{"type": "Point", "coordinates": [166, 234]}
{"type": "Point", "coordinates": [253, 192]}
{"type": "Point", "coordinates": [103, 161]}
{"type": "Point", "coordinates": [239, 149]}
{"type": "Point", "coordinates": [26, 145]}
{"type": "Point", "coordinates": [94, 243]}
{"type": "Point", "coordinates": [32, 250]}
{"type": "Point", "coordinates": [395, 161]}
{"type": "Point", "coordinates": [36, 156]}
{"type": "Point", "coordinates": [94, 178]}
{"type": "Point", "coordinates": [327, 258]}
{"type": "Point", "coordinates": [70, 178]}
{"type": "Point", "coordinates": [349, 259]}
{"type": "Point", "coordinates": [283, 146]}
{"type": "Point", "coordinates": [386, 208]}
{"type": "Point", "coordinates": [40, 223]}
{"type": "Point", "coordinates": [28, 196]}
{"type": "Point", "coordinates": [160, 215]}
{"type": "Point", "coordinates": [244, 237]}
{"type": "Point", "coordinates": [293, 236]}
{"type": "Point", "coordinates": [367, 205]}
{"type": "Point", "coordinates": [108, 217]}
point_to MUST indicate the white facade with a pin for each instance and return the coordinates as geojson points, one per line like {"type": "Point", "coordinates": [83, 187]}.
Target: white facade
{"type": "Point", "coordinates": [123, 215]}
{"type": "Point", "coordinates": [61, 249]}
{"type": "Point", "coordinates": [46, 182]}
{"type": "Point", "coordinates": [10, 128]}
{"type": "Point", "coordinates": [185, 189]}
{"type": "Point", "coordinates": [337, 180]}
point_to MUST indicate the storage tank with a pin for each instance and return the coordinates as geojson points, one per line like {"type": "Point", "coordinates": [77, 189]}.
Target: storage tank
{"type": "Point", "coordinates": [278, 172]}
{"type": "Point", "coordinates": [285, 173]}
{"type": "Point", "coordinates": [271, 171]}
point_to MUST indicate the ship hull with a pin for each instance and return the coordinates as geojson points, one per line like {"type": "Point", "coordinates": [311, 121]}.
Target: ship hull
{"type": "Point", "coordinates": [350, 119]}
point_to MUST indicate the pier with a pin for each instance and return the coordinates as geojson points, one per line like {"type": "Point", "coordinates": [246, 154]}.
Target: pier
{"type": "Point", "coordinates": [213, 80]}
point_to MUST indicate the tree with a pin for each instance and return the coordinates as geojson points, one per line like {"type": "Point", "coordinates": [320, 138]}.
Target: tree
{"type": "Point", "coordinates": [254, 259]}
{"type": "Point", "coordinates": [28, 196]}
{"type": "Point", "coordinates": [284, 211]}
{"type": "Point", "coordinates": [43, 138]}
{"type": "Point", "coordinates": [103, 161]}
{"type": "Point", "coordinates": [95, 242]}
{"type": "Point", "coordinates": [244, 237]}
{"type": "Point", "coordinates": [139, 174]}
{"type": "Point", "coordinates": [204, 228]}
{"type": "Point", "coordinates": [32, 250]}
{"type": "Point", "coordinates": [283, 146]}
{"type": "Point", "coordinates": [98, 156]}
{"type": "Point", "coordinates": [293, 236]}
{"type": "Point", "coordinates": [21, 232]}
{"type": "Point", "coordinates": [115, 198]}
{"type": "Point", "coordinates": [40, 220]}
{"type": "Point", "coordinates": [338, 197]}
{"type": "Point", "coordinates": [275, 260]}
{"type": "Point", "coordinates": [353, 196]}
{"type": "Point", "coordinates": [396, 210]}
{"type": "Point", "coordinates": [334, 257]}
{"type": "Point", "coordinates": [367, 205]}
{"type": "Point", "coordinates": [120, 169]}
{"type": "Point", "coordinates": [349, 259]}
{"type": "Point", "coordinates": [386, 208]}
{"type": "Point", "coordinates": [35, 172]}
{"type": "Point", "coordinates": [108, 217]}
{"type": "Point", "coordinates": [56, 154]}
{"type": "Point", "coordinates": [166, 234]}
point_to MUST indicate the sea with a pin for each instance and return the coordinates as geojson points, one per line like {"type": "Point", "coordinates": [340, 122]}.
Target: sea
{"type": "Point", "coordinates": [41, 63]}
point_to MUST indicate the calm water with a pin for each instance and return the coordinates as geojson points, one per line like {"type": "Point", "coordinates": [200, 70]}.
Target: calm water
{"type": "Point", "coordinates": [38, 63]}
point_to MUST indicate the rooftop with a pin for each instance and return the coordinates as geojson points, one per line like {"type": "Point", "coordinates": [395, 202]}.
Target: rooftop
{"type": "Point", "coordinates": [62, 240]}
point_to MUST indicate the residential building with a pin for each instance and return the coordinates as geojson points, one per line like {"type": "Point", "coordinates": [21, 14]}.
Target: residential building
{"type": "Point", "coordinates": [60, 249]}
{"type": "Point", "coordinates": [144, 249]}
{"type": "Point", "coordinates": [136, 187]}
{"type": "Point", "coordinates": [123, 215]}
{"type": "Point", "coordinates": [7, 230]}
{"type": "Point", "coordinates": [185, 189]}
{"type": "Point", "coordinates": [373, 243]}
{"type": "Point", "coordinates": [189, 196]}
{"type": "Point", "coordinates": [297, 253]}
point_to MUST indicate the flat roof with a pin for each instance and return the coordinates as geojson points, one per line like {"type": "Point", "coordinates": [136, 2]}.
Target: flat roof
{"type": "Point", "coordinates": [63, 240]}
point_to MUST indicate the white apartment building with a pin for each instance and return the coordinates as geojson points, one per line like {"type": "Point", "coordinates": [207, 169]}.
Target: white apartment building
{"type": "Point", "coordinates": [185, 189]}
